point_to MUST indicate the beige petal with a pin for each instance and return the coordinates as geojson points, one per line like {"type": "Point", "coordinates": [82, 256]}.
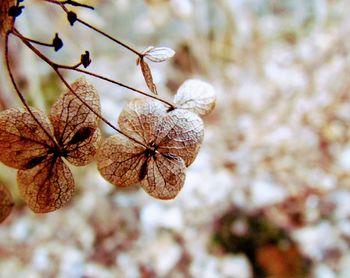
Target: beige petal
{"type": "Point", "coordinates": [119, 160]}
{"type": "Point", "coordinates": [140, 118]}
{"type": "Point", "coordinates": [165, 176]}
{"type": "Point", "coordinates": [158, 54]}
{"type": "Point", "coordinates": [181, 133]}
{"type": "Point", "coordinates": [46, 187]}
{"type": "Point", "coordinates": [75, 125]}
{"type": "Point", "coordinates": [23, 143]}
{"type": "Point", "coordinates": [196, 96]}
{"type": "Point", "coordinates": [6, 202]}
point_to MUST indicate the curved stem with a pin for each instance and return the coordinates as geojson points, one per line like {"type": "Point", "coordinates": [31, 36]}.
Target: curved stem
{"type": "Point", "coordinates": [37, 42]}
{"type": "Point", "coordinates": [62, 5]}
{"type": "Point", "coordinates": [172, 106]}
{"type": "Point", "coordinates": [20, 94]}
{"type": "Point", "coordinates": [111, 38]}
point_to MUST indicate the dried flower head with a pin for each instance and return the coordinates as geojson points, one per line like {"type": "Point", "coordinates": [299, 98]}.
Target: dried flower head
{"type": "Point", "coordinates": [6, 202]}
{"type": "Point", "coordinates": [44, 181]}
{"type": "Point", "coordinates": [159, 147]}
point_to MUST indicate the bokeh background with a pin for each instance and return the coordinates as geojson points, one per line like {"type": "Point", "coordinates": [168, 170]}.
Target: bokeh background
{"type": "Point", "coordinates": [268, 195]}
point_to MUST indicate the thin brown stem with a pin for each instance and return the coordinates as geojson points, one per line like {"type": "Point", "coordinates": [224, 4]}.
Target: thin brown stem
{"type": "Point", "coordinates": [117, 41]}
{"type": "Point", "coordinates": [172, 106]}
{"type": "Point", "coordinates": [24, 102]}
{"type": "Point", "coordinates": [38, 42]}
{"type": "Point", "coordinates": [111, 38]}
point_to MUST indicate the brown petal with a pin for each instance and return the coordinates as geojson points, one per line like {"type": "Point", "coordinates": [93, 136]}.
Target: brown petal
{"type": "Point", "coordinates": [75, 125]}
{"type": "Point", "coordinates": [46, 187]}
{"type": "Point", "coordinates": [165, 176]}
{"type": "Point", "coordinates": [6, 21]}
{"type": "Point", "coordinates": [6, 202]}
{"type": "Point", "coordinates": [181, 134]}
{"type": "Point", "coordinates": [147, 75]}
{"type": "Point", "coordinates": [119, 160]}
{"type": "Point", "coordinates": [140, 118]}
{"type": "Point", "coordinates": [196, 96]}
{"type": "Point", "coordinates": [22, 141]}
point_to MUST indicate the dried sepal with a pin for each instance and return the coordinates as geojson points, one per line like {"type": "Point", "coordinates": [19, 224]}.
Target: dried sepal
{"type": "Point", "coordinates": [6, 202]}
{"type": "Point", "coordinates": [120, 160]}
{"type": "Point", "coordinates": [138, 119]}
{"type": "Point", "coordinates": [46, 187]}
{"type": "Point", "coordinates": [75, 126]}
{"type": "Point", "coordinates": [147, 75]}
{"type": "Point", "coordinates": [165, 176]}
{"type": "Point", "coordinates": [169, 142]}
{"type": "Point", "coordinates": [158, 54]}
{"type": "Point", "coordinates": [196, 96]}
{"type": "Point", "coordinates": [22, 140]}
{"type": "Point", "coordinates": [181, 133]}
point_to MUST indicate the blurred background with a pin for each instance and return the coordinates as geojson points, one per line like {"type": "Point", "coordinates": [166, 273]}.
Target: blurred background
{"type": "Point", "coordinates": [268, 195]}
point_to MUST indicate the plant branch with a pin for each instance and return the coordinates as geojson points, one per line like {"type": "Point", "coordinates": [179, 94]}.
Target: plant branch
{"type": "Point", "coordinates": [70, 2]}
{"type": "Point", "coordinates": [24, 102]}
{"type": "Point", "coordinates": [62, 5]}
{"type": "Point", "coordinates": [37, 42]}
{"type": "Point", "coordinates": [172, 106]}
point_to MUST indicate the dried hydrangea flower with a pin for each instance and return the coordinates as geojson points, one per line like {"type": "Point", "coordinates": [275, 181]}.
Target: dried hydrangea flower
{"type": "Point", "coordinates": [44, 181]}
{"type": "Point", "coordinates": [168, 143]}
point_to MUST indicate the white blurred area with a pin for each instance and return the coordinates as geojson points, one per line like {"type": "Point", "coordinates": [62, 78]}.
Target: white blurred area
{"type": "Point", "coordinates": [280, 132]}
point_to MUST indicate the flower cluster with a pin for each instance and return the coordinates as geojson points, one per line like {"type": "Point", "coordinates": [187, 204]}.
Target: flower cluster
{"type": "Point", "coordinates": [153, 147]}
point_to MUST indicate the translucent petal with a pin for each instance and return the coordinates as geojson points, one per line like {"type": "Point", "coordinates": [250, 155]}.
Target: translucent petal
{"type": "Point", "coordinates": [46, 187]}
{"type": "Point", "coordinates": [75, 125]}
{"type": "Point", "coordinates": [158, 54]}
{"type": "Point", "coordinates": [140, 118]}
{"type": "Point", "coordinates": [119, 160]}
{"type": "Point", "coordinates": [22, 141]}
{"type": "Point", "coordinates": [181, 133]}
{"type": "Point", "coordinates": [196, 96]}
{"type": "Point", "coordinates": [165, 176]}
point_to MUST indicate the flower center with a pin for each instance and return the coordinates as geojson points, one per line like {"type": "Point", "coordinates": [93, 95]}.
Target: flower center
{"type": "Point", "coordinates": [151, 150]}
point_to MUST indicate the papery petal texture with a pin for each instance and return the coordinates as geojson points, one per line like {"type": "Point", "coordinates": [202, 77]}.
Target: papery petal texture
{"type": "Point", "coordinates": [119, 160]}
{"type": "Point", "coordinates": [165, 176]}
{"type": "Point", "coordinates": [23, 143]}
{"type": "Point", "coordinates": [46, 187]}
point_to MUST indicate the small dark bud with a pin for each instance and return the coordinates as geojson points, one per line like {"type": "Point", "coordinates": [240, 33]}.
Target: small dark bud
{"type": "Point", "coordinates": [72, 17]}
{"type": "Point", "coordinates": [15, 11]}
{"type": "Point", "coordinates": [85, 59]}
{"type": "Point", "coordinates": [57, 43]}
